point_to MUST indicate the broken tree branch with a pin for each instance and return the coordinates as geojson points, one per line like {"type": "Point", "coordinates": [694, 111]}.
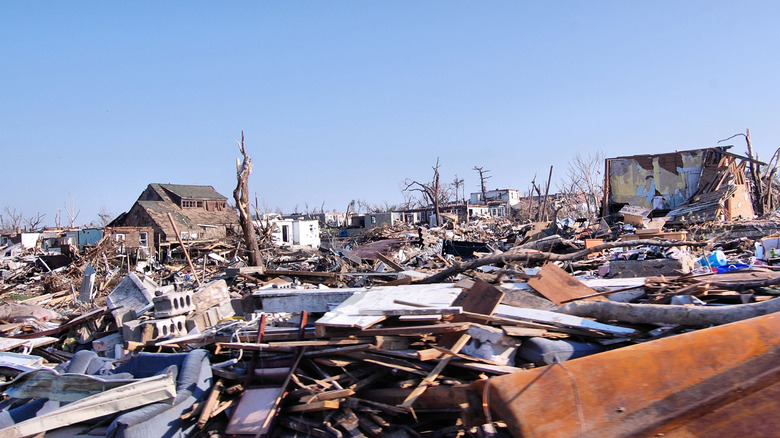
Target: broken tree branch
{"type": "Point", "coordinates": [669, 314]}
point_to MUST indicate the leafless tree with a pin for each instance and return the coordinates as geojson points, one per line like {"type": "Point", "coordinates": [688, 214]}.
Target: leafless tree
{"type": "Point", "coordinates": [241, 195]}
{"type": "Point", "coordinates": [72, 213]}
{"type": "Point", "coordinates": [482, 179]}
{"type": "Point", "coordinates": [458, 185]}
{"type": "Point", "coordinates": [104, 216]}
{"type": "Point", "coordinates": [431, 192]}
{"type": "Point", "coordinates": [12, 219]}
{"type": "Point", "coordinates": [33, 223]}
{"type": "Point", "coordinates": [584, 176]}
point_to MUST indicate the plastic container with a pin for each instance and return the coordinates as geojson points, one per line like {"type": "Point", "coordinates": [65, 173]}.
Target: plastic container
{"type": "Point", "coordinates": [714, 260]}
{"type": "Point", "coordinates": [730, 267]}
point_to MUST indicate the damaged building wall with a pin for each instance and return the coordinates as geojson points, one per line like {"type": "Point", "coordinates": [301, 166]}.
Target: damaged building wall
{"type": "Point", "coordinates": [661, 181]}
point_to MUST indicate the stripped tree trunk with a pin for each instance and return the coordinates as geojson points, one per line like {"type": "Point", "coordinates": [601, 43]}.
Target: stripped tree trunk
{"type": "Point", "coordinates": [241, 195]}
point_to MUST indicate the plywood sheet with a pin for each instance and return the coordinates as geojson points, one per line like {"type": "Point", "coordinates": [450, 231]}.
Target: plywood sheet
{"type": "Point", "coordinates": [252, 411]}
{"type": "Point", "coordinates": [558, 286]}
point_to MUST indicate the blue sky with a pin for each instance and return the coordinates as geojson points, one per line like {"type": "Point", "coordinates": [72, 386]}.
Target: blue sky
{"type": "Point", "coordinates": [343, 100]}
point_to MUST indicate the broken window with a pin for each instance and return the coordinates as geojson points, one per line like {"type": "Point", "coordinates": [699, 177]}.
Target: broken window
{"type": "Point", "coordinates": [285, 233]}
{"type": "Point", "coordinates": [143, 241]}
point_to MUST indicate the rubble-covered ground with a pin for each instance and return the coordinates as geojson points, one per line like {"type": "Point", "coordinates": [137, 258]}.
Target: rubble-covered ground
{"type": "Point", "coordinates": [388, 333]}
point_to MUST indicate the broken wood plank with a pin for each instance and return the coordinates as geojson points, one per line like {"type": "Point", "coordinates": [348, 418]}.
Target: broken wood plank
{"type": "Point", "coordinates": [389, 262]}
{"type": "Point", "coordinates": [558, 286]}
{"type": "Point", "coordinates": [418, 329]}
{"type": "Point", "coordinates": [210, 404]}
{"type": "Point", "coordinates": [450, 310]}
{"type": "Point", "coordinates": [328, 395]}
{"type": "Point", "coordinates": [434, 374]}
{"type": "Point", "coordinates": [322, 405]}
{"type": "Point", "coordinates": [523, 331]}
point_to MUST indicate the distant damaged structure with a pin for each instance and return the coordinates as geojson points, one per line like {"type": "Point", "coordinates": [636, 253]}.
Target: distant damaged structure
{"type": "Point", "coordinates": [199, 212]}
{"type": "Point", "coordinates": [686, 186]}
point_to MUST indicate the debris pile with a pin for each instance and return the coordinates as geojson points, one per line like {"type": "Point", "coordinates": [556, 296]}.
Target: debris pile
{"type": "Point", "coordinates": [658, 318]}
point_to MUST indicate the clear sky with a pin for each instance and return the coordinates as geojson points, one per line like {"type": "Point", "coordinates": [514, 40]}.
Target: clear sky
{"type": "Point", "coordinates": [342, 100]}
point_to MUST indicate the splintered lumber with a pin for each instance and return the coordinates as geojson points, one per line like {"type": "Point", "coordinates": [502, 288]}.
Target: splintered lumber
{"type": "Point", "coordinates": [558, 286]}
{"type": "Point", "coordinates": [315, 406]}
{"type": "Point", "coordinates": [417, 329]}
{"type": "Point", "coordinates": [328, 395]}
{"type": "Point", "coordinates": [391, 362]}
{"type": "Point", "coordinates": [183, 248]}
{"type": "Point", "coordinates": [439, 397]}
{"type": "Point", "coordinates": [211, 404]}
{"type": "Point", "coordinates": [433, 375]}
{"type": "Point", "coordinates": [389, 262]}
{"type": "Point", "coordinates": [511, 330]}
{"type": "Point", "coordinates": [94, 314]}
{"type": "Point", "coordinates": [285, 345]}
{"type": "Point", "coordinates": [336, 351]}
{"type": "Point", "coordinates": [670, 314]}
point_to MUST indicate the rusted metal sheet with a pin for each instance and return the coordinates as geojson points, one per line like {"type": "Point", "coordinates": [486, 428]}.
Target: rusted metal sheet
{"type": "Point", "coordinates": [721, 381]}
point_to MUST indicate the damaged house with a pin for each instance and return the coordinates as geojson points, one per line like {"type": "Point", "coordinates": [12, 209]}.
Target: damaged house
{"type": "Point", "coordinates": [199, 213]}
{"type": "Point", "coordinates": [693, 186]}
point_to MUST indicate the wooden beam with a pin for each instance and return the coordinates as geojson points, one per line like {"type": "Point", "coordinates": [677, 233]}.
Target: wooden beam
{"type": "Point", "coordinates": [184, 248]}
{"type": "Point", "coordinates": [323, 405]}
{"type": "Point", "coordinates": [433, 375]}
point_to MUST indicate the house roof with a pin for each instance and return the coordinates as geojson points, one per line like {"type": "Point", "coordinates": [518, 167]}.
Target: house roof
{"type": "Point", "coordinates": [160, 199]}
{"type": "Point", "coordinates": [206, 193]}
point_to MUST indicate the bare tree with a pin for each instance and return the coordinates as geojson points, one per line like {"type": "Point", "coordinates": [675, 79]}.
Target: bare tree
{"type": "Point", "coordinates": [72, 213]}
{"type": "Point", "coordinates": [12, 219]}
{"type": "Point", "coordinates": [33, 223]}
{"type": "Point", "coordinates": [432, 191]}
{"type": "Point", "coordinates": [482, 179]}
{"type": "Point", "coordinates": [241, 195]}
{"type": "Point", "coordinates": [458, 185]}
{"type": "Point", "coordinates": [104, 216]}
{"type": "Point", "coordinates": [584, 176]}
